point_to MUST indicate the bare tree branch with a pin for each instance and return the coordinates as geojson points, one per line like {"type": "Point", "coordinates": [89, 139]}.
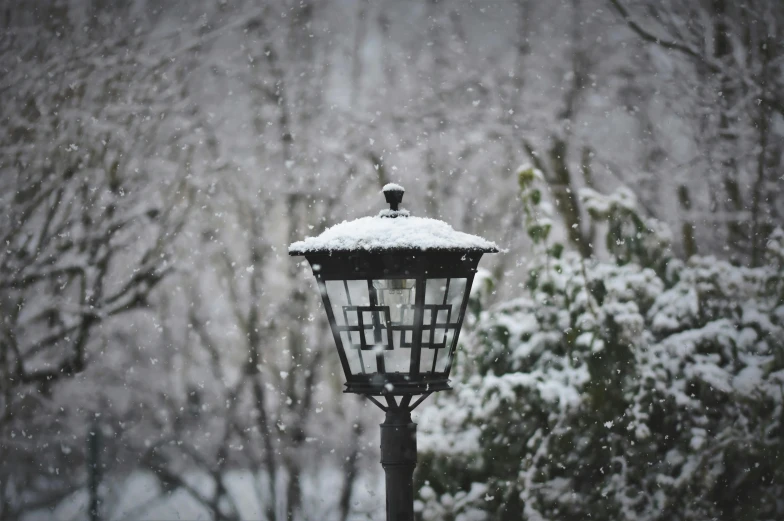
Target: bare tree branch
{"type": "Point", "coordinates": [666, 44]}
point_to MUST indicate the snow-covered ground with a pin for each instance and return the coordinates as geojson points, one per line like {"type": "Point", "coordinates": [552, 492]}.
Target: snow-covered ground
{"type": "Point", "coordinates": [140, 497]}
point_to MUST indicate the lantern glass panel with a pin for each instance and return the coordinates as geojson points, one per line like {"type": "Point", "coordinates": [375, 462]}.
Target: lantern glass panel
{"type": "Point", "coordinates": [375, 321]}
{"type": "Point", "coordinates": [399, 296]}
{"type": "Point", "coordinates": [346, 295]}
{"type": "Point", "coordinates": [443, 358]}
{"type": "Point", "coordinates": [443, 301]}
{"type": "Point", "coordinates": [447, 294]}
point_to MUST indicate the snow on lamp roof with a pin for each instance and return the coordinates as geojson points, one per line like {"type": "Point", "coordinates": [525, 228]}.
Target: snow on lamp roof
{"type": "Point", "coordinates": [392, 229]}
{"type": "Point", "coordinates": [379, 233]}
{"type": "Point", "coordinates": [393, 187]}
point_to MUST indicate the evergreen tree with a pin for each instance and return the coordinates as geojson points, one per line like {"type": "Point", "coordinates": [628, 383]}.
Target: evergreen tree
{"type": "Point", "coordinates": [640, 387]}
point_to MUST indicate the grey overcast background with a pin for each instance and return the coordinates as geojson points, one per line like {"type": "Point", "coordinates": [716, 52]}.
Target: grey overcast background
{"type": "Point", "coordinates": [161, 357]}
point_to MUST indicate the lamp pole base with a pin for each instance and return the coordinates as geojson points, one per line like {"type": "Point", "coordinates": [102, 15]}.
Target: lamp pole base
{"type": "Point", "coordinates": [398, 457]}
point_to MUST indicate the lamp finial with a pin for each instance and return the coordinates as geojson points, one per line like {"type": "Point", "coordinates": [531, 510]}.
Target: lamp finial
{"type": "Point", "coordinates": [394, 195]}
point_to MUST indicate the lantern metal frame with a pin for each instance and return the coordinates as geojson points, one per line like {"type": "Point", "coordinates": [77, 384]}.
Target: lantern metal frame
{"type": "Point", "coordinates": [419, 266]}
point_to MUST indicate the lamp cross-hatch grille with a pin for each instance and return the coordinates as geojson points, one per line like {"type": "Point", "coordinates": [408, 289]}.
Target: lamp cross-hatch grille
{"type": "Point", "coordinates": [382, 327]}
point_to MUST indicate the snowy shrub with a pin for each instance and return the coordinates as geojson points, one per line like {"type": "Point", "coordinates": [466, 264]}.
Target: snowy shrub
{"type": "Point", "coordinates": [637, 388]}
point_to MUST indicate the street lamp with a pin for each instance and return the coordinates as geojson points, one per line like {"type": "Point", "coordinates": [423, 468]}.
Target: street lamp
{"type": "Point", "coordinates": [395, 290]}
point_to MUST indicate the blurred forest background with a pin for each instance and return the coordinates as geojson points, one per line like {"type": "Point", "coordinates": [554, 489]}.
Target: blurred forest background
{"type": "Point", "coordinates": [162, 358]}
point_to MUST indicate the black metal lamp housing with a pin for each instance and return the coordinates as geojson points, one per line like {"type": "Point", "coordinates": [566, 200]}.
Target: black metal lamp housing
{"type": "Point", "coordinates": [395, 289]}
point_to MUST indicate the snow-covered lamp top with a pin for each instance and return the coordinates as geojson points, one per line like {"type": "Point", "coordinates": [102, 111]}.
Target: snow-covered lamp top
{"type": "Point", "coordinates": [392, 229]}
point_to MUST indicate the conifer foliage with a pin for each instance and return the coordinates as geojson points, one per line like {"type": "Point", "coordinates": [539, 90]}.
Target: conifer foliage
{"type": "Point", "coordinates": [639, 387]}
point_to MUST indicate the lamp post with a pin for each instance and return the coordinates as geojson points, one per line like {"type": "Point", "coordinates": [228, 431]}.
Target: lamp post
{"type": "Point", "coordinates": [395, 289]}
